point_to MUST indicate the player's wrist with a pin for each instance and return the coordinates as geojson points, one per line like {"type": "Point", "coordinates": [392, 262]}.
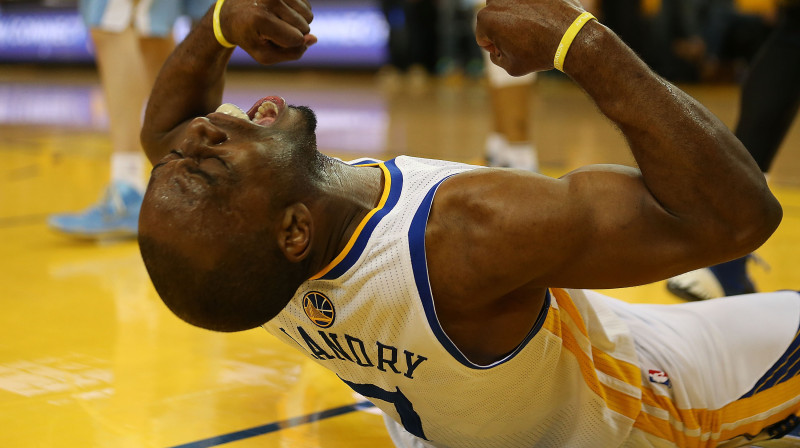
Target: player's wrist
{"type": "Point", "coordinates": [569, 36]}
{"type": "Point", "coordinates": [217, 26]}
{"type": "Point", "coordinates": [610, 72]}
{"type": "Point", "coordinates": [594, 48]}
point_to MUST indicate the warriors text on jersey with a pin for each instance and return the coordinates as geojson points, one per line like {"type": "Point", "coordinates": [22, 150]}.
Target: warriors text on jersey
{"type": "Point", "coordinates": [592, 372]}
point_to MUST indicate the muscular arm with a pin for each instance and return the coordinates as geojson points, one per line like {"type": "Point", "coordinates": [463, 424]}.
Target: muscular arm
{"type": "Point", "coordinates": [192, 79]}
{"type": "Point", "coordinates": [693, 168]}
{"type": "Point", "coordinates": [697, 197]}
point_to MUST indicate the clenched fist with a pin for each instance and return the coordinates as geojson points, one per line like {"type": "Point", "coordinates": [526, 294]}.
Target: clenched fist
{"type": "Point", "coordinates": [522, 35]}
{"type": "Point", "coordinates": [270, 31]}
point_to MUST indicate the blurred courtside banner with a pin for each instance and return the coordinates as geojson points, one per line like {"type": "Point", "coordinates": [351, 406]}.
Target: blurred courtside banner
{"type": "Point", "coordinates": [351, 34]}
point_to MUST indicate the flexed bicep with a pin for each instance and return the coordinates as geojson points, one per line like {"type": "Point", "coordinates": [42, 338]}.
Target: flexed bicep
{"type": "Point", "coordinates": [598, 227]}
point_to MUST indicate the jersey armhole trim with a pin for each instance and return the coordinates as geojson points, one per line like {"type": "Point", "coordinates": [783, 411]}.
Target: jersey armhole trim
{"type": "Point", "coordinates": [419, 265]}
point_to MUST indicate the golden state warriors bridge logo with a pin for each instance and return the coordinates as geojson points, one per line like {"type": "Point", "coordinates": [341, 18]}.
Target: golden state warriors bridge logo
{"type": "Point", "coordinates": [319, 309]}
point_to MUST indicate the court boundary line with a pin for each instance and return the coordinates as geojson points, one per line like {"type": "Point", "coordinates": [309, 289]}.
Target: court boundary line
{"type": "Point", "coordinates": [276, 426]}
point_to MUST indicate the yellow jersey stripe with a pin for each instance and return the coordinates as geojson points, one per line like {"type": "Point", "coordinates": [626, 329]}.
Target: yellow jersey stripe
{"type": "Point", "coordinates": [689, 417]}
{"type": "Point", "coordinates": [569, 342]}
{"type": "Point", "coordinates": [566, 304]}
{"type": "Point", "coordinates": [615, 400]}
{"type": "Point", "coordinates": [615, 368]}
{"type": "Point", "coordinates": [591, 360]}
{"type": "Point", "coordinates": [684, 427]}
{"type": "Point", "coordinates": [748, 415]}
{"type": "Point", "coordinates": [621, 403]}
{"type": "Point", "coordinates": [663, 429]}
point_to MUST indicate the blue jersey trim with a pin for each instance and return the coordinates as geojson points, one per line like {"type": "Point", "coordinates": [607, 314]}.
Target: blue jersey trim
{"type": "Point", "coordinates": [784, 369]}
{"type": "Point", "coordinates": [419, 265]}
{"type": "Point", "coordinates": [395, 185]}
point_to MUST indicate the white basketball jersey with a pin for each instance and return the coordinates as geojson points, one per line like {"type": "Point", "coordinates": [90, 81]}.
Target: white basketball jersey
{"type": "Point", "coordinates": [370, 318]}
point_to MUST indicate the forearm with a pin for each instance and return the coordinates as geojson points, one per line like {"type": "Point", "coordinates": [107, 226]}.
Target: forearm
{"type": "Point", "coordinates": [694, 167]}
{"type": "Point", "coordinates": [190, 84]}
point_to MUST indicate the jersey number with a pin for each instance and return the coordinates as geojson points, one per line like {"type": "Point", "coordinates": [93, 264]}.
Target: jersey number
{"type": "Point", "coordinates": [408, 417]}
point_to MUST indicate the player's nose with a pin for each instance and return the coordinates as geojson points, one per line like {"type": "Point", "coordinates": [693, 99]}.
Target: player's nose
{"type": "Point", "coordinates": [203, 131]}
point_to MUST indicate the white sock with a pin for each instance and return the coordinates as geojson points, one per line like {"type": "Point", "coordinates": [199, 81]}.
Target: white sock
{"type": "Point", "coordinates": [522, 156]}
{"type": "Point", "coordinates": [495, 144]}
{"type": "Point", "coordinates": [128, 167]}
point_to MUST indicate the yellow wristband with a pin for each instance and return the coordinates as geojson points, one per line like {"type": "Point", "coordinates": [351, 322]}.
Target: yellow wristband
{"type": "Point", "coordinates": [218, 29]}
{"type": "Point", "coordinates": [569, 36]}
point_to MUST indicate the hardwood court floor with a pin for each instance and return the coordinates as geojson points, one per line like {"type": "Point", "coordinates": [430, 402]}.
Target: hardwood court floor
{"type": "Point", "coordinates": [89, 357]}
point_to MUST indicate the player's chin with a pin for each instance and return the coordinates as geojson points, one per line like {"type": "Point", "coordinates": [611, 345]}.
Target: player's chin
{"type": "Point", "coordinates": [516, 69]}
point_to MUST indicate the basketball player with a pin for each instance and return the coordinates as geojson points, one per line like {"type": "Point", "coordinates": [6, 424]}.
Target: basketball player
{"type": "Point", "coordinates": [440, 290]}
{"type": "Point", "coordinates": [509, 144]}
{"type": "Point", "coordinates": [131, 38]}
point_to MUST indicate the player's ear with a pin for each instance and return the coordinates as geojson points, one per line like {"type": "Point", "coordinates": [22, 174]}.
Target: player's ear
{"type": "Point", "coordinates": [294, 233]}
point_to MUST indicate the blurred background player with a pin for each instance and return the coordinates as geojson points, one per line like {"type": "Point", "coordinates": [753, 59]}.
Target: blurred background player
{"type": "Point", "coordinates": [769, 103]}
{"type": "Point", "coordinates": [509, 144]}
{"type": "Point", "coordinates": [131, 41]}
{"type": "Point", "coordinates": [412, 30]}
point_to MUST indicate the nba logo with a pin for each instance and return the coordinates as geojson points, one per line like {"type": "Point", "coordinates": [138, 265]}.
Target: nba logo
{"type": "Point", "coordinates": [659, 377]}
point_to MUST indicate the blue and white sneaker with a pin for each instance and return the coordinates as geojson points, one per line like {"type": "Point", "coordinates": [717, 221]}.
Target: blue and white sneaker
{"type": "Point", "coordinates": [115, 216]}
{"type": "Point", "coordinates": [725, 279]}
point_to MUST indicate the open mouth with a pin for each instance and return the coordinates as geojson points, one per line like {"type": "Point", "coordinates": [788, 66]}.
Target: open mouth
{"type": "Point", "coordinates": [264, 112]}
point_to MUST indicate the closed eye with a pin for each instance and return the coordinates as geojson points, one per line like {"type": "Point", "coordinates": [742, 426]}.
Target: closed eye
{"type": "Point", "coordinates": [219, 159]}
{"type": "Point", "coordinates": [174, 154]}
